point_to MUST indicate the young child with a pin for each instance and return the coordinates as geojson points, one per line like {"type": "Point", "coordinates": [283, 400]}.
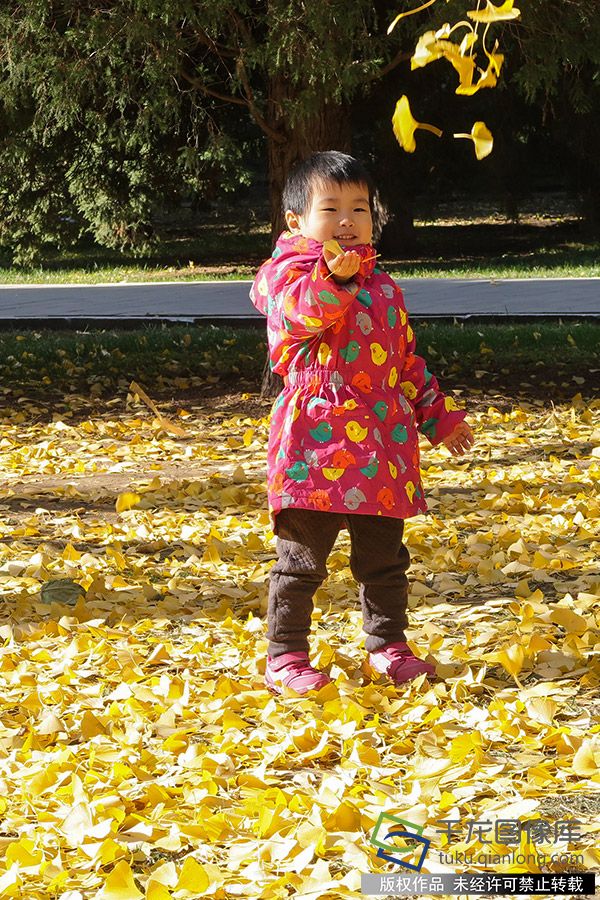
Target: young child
{"type": "Point", "coordinates": [343, 446]}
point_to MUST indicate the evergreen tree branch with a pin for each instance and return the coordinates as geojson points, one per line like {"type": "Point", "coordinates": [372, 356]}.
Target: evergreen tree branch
{"type": "Point", "coordinates": [199, 85]}
{"type": "Point", "coordinates": [256, 114]}
{"type": "Point", "coordinates": [401, 56]}
{"type": "Point", "coordinates": [204, 38]}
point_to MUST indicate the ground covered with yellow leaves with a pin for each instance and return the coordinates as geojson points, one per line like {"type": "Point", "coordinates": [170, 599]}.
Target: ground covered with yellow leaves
{"type": "Point", "coordinates": [142, 756]}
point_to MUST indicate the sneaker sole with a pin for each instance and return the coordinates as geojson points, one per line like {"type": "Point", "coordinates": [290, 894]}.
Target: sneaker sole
{"type": "Point", "coordinates": [276, 688]}
{"type": "Point", "coordinates": [375, 674]}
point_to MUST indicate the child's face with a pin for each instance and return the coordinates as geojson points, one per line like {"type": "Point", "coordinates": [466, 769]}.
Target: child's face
{"type": "Point", "coordinates": [337, 211]}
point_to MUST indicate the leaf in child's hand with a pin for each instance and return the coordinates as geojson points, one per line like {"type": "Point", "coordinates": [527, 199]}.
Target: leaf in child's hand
{"type": "Point", "coordinates": [333, 247]}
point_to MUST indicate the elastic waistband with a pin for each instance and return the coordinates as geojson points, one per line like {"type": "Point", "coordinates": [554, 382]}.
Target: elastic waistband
{"type": "Point", "coordinates": [313, 377]}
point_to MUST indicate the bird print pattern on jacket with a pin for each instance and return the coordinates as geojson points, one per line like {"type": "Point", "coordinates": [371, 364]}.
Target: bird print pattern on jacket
{"type": "Point", "coordinates": [344, 430]}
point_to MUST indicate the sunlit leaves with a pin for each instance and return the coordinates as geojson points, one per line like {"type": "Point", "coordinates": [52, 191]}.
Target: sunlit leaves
{"type": "Point", "coordinates": [431, 47]}
{"type": "Point", "coordinates": [163, 422]}
{"type": "Point", "coordinates": [482, 139]}
{"type": "Point", "coordinates": [434, 45]}
{"type": "Point", "coordinates": [409, 12]}
{"type": "Point", "coordinates": [126, 500]}
{"type": "Point", "coordinates": [141, 754]}
{"type": "Point", "coordinates": [491, 13]}
{"type": "Point", "coordinates": [405, 125]}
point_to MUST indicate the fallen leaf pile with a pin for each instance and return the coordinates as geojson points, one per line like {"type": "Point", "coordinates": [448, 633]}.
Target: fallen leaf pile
{"type": "Point", "coordinates": [142, 756]}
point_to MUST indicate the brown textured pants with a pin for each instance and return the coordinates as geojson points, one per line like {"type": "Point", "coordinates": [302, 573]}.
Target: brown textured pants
{"type": "Point", "coordinates": [378, 561]}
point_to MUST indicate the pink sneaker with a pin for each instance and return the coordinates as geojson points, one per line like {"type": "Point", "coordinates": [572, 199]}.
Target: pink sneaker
{"type": "Point", "coordinates": [399, 662]}
{"type": "Point", "coordinates": [294, 670]}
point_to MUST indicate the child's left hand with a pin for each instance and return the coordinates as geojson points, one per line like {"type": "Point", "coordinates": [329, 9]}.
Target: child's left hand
{"type": "Point", "coordinates": [460, 440]}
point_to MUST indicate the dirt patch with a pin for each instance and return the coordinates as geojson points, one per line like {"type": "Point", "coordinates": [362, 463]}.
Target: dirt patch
{"type": "Point", "coordinates": [560, 805]}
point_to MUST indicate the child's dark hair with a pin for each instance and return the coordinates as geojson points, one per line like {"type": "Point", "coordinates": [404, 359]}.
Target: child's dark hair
{"type": "Point", "coordinates": [330, 165]}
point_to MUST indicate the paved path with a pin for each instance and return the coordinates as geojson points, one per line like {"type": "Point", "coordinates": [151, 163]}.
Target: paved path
{"type": "Point", "coordinates": [228, 300]}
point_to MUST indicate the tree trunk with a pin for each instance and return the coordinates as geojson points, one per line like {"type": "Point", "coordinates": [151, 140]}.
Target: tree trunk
{"type": "Point", "coordinates": [327, 128]}
{"type": "Point", "coordinates": [398, 238]}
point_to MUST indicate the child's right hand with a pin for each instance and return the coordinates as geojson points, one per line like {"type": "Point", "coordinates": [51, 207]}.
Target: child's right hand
{"type": "Point", "coordinates": [344, 265]}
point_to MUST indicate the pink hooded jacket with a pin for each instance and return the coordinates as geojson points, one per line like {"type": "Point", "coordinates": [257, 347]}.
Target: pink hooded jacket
{"type": "Point", "coordinates": [344, 431]}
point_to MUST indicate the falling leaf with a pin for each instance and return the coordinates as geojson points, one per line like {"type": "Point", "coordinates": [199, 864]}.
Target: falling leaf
{"type": "Point", "coordinates": [487, 79]}
{"type": "Point", "coordinates": [405, 125]}
{"type": "Point", "coordinates": [482, 139]}
{"type": "Point", "coordinates": [492, 13]}
{"type": "Point", "coordinates": [430, 47]}
{"type": "Point", "coordinates": [410, 12]}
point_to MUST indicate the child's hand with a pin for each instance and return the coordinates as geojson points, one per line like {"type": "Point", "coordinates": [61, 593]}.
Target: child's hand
{"type": "Point", "coordinates": [344, 265]}
{"type": "Point", "coordinates": [460, 440]}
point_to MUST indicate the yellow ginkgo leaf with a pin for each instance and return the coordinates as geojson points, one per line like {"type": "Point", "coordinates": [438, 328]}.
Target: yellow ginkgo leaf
{"type": "Point", "coordinates": [157, 891]}
{"type": "Point", "coordinates": [50, 724]}
{"type": "Point", "coordinates": [496, 60]}
{"type": "Point", "coordinates": [193, 877]}
{"type": "Point", "coordinates": [162, 422]}
{"type": "Point", "coordinates": [487, 79]}
{"type": "Point", "coordinates": [91, 725]}
{"type": "Point", "coordinates": [510, 658]}
{"type": "Point", "coordinates": [482, 139]}
{"type": "Point", "coordinates": [23, 852]}
{"type": "Point", "coordinates": [430, 47]}
{"type": "Point", "coordinates": [332, 246]}
{"type": "Point", "coordinates": [405, 125]}
{"type": "Point", "coordinates": [465, 66]}
{"type": "Point", "coordinates": [10, 883]}
{"type": "Point", "coordinates": [467, 42]}
{"type": "Point", "coordinates": [541, 709]}
{"type": "Point", "coordinates": [493, 13]}
{"type": "Point", "coordinates": [119, 884]}
{"type": "Point", "coordinates": [569, 620]}
{"type": "Point", "coordinates": [410, 12]}
{"type": "Point", "coordinates": [587, 759]}
{"type": "Point", "coordinates": [127, 501]}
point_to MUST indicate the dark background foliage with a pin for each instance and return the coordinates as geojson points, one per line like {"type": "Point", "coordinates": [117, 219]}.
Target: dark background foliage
{"type": "Point", "coordinates": [112, 115]}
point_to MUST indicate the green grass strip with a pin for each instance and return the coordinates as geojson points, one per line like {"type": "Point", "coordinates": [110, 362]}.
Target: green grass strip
{"type": "Point", "coordinates": [174, 358]}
